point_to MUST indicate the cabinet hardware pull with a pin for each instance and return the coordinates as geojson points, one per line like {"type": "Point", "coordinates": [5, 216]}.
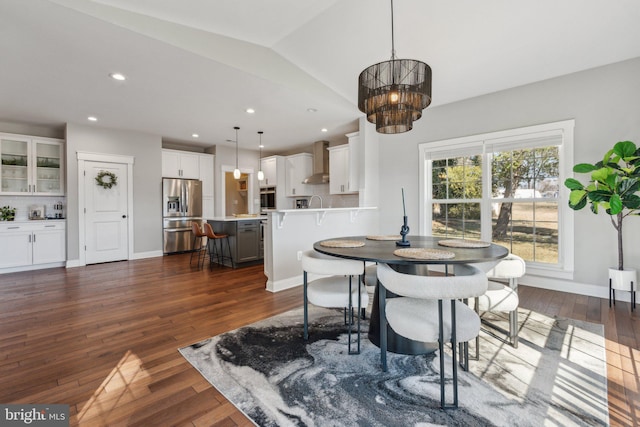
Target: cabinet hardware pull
{"type": "Point", "coordinates": [13, 228]}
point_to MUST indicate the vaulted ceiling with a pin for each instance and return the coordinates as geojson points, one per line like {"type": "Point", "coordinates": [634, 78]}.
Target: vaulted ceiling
{"type": "Point", "coordinates": [195, 66]}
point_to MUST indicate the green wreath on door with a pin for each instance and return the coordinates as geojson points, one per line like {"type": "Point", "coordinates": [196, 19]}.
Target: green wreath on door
{"type": "Point", "coordinates": [110, 181]}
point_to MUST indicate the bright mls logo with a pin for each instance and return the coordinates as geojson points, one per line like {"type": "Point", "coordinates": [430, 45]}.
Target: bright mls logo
{"type": "Point", "coordinates": [34, 415]}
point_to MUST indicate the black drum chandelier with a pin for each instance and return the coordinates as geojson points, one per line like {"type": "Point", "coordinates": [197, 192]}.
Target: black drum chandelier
{"type": "Point", "coordinates": [393, 93]}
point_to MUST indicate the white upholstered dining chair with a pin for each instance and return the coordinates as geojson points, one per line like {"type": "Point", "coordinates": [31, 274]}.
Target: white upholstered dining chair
{"type": "Point", "coordinates": [501, 297]}
{"type": "Point", "coordinates": [427, 310]}
{"type": "Point", "coordinates": [340, 290]}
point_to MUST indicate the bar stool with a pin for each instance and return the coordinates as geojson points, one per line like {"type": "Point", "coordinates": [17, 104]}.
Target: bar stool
{"type": "Point", "coordinates": [198, 234]}
{"type": "Point", "coordinates": [334, 291]}
{"type": "Point", "coordinates": [427, 310]}
{"type": "Point", "coordinates": [213, 248]}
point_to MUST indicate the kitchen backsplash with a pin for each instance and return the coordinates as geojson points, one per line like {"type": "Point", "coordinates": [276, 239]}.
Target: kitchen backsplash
{"type": "Point", "coordinates": [329, 200]}
{"type": "Point", "coordinates": [24, 204]}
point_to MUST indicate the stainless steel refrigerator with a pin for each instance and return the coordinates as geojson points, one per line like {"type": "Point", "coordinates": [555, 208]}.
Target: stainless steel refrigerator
{"type": "Point", "coordinates": [181, 206]}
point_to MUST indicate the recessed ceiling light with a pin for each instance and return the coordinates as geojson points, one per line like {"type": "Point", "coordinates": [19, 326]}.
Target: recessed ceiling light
{"type": "Point", "coordinates": [117, 76]}
{"type": "Point", "coordinates": [323, 130]}
{"type": "Point", "coordinates": [250, 110]}
{"type": "Point", "coordinates": [92, 119]}
{"type": "Point", "coordinates": [312, 110]}
{"type": "Point", "coordinates": [195, 135]}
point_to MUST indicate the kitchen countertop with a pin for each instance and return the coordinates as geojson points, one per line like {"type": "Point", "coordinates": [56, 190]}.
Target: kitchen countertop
{"type": "Point", "coordinates": [33, 221]}
{"type": "Point", "coordinates": [236, 218]}
{"type": "Point", "coordinates": [356, 208]}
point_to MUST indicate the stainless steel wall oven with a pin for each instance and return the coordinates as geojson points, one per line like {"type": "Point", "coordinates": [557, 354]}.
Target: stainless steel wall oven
{"type": "Point", "coordinates": [267, 198]}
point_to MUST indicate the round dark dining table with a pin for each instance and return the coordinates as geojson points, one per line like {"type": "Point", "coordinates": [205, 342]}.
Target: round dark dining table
{"type": "Point", "coordinates": [382, 251]}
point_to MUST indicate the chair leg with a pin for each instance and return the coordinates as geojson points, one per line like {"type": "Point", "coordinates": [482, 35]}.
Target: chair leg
{"type": "Point", "coordinates": [233, 265]}
{"type": "Point", "coordinates": [193, 246]}
{"type": "Point", "coordinates": [382, 297]}
{"type": "Point", "coordinates": [360, 308]}
{"type": "Point", "coordinates": [350, 311]}
{"type": "Point", "coordinates": [477, 355]}
{"type": "Point", "coordinates": [213, 252]}
{"type": "Point", "coordinates": [441, 352]}
{"type": "Point", "coordinates": [306, 309]}
{"type": "Point", "coordinates": [202, 253]}
{"type": "Point", "coordinates": [454, 355]}
{"type": "Point", "coordinates": [513, 328]}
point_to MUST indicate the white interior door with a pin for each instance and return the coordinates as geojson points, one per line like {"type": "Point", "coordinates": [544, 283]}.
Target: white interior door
{"type": "Point", "coordinates": [106, 225]}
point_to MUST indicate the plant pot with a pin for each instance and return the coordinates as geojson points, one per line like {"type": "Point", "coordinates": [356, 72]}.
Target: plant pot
{"type": "Point", "coordinates": [621, 279]}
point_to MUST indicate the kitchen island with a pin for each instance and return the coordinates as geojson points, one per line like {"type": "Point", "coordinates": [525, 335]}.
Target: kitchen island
{"type": "Point", "coordinates": [289, 232]}
{"type": "Point", "coordinates": [245, 237]}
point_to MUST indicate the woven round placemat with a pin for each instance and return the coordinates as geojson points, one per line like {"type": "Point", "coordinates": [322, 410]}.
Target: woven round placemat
{"type": "Point", "coordinates": [423, 253]}
{"type": "Point", "coordinates": [464, 243]}
{"type": "Point", "coordinates": [387, 237]}
{"type": "Point", "coordinates": [342, 243]}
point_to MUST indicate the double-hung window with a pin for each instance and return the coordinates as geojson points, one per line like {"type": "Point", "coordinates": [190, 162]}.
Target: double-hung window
{"type": "Point", "coordinates": [504, 187]}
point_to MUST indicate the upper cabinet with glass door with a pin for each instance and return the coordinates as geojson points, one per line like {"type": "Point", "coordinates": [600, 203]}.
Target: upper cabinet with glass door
{"type": "Point", "coordinates": [31, 165]}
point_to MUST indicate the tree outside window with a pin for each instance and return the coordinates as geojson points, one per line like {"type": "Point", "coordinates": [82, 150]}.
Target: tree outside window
{"type": "Point", "coordinates": [523, 205]}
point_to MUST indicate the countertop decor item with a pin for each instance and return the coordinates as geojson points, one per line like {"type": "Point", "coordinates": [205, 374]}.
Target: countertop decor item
{"type": "Point", "coordinates": [110, 181]}
{"type": "Point", "coordinates": [404, 230]}
{"type": "Point", "coordinates": [7, 213]}
{"type": "Point", "coordinates": [393, 93]}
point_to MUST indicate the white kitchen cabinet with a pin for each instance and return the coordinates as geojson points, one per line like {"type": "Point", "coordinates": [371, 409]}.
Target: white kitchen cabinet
{"type": "Point", "coordinates": [274, 172]}
{"type": "Point", "coordinates": [180, 164]}
{"type": "Point", "coordinates": [343, 167]}
{"type": "Point", "coordinates": [298, 167]}
{"type": "Point", "coordinates": [342, 176]}
{"type": "Point", "coordinates": [206, 176]}
{"type": "Point", "coordinates": [27, 244]}
{"type": "Point", "coordinates": [269, 166]}
{"type": "Point", "coordinates": [206, 173]}
{"type": "Point", "coordinates": [31, 165]}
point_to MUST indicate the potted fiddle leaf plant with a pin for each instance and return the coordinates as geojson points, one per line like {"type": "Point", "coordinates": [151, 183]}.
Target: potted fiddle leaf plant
{"type": "Point", "coordinates": [614, 188]}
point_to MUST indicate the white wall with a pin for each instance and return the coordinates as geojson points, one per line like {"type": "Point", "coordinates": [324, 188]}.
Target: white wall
{"type": "Point", "coordinates": [604, 104]}
{"type": "Point", "coordinates": [147, 181]}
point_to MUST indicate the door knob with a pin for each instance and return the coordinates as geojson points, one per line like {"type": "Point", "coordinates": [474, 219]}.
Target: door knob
{"type": "Point", "coordinates": [124, 216]}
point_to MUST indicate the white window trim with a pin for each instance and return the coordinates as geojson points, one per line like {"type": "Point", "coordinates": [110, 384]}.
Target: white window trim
{"type": "Point", "coordinates": [426, 150]}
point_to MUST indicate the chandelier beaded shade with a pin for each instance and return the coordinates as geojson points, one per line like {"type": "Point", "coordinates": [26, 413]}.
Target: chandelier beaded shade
{"type": "Point", "coordinates": [393, 93]}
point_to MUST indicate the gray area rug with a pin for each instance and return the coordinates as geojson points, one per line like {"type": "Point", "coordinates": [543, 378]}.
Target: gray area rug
{"type": "Point", "coordinates": [556, 376]}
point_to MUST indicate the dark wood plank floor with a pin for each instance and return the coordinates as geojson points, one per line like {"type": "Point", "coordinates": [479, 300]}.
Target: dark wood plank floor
{"type": "Point", "coordinates": [104, 339]}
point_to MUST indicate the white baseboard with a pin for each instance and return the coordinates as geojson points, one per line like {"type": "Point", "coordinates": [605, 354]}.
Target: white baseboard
{"type": "Point", "coordinates": [71, 263]}
{"type": "Point", "coordinates": [281, 285]}
{"type": "Point", "coordinates": [290, 282]}
{"type": "Point", "coordinates": [150, 254]}
{"type": "Point", "coordinates": [573, 287]}
{"type": "Point", "coordinates": [31, 267]}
